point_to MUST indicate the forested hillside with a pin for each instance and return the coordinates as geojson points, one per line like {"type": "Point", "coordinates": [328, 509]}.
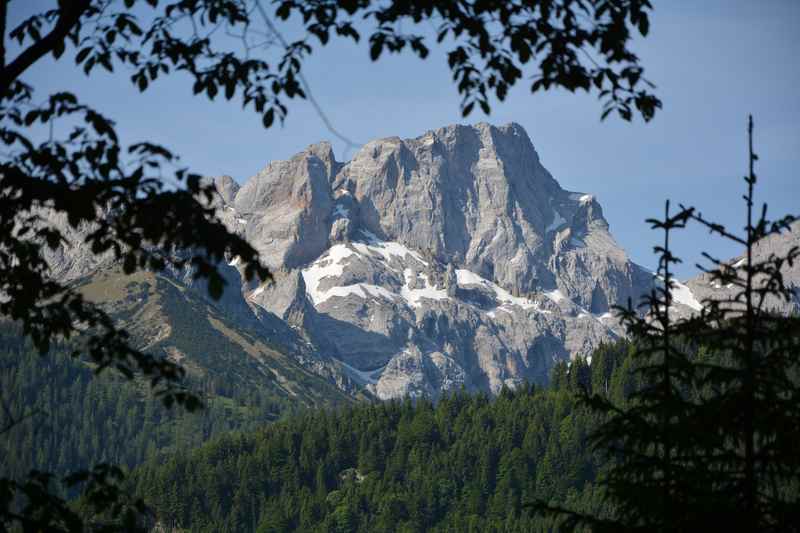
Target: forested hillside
{"type": "Point", "coordinates": [74, 419]}
{"type": "Point", "coordinates": [467, 463]}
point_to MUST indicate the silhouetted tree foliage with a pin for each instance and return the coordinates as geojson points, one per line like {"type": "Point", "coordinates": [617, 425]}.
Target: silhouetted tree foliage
{"type": "Point", "coordinates": [708, 439]}
{"type": "Point", "coordinates": [121, 194]}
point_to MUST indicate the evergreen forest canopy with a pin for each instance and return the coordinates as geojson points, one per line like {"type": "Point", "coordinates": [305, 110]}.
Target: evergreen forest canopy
{"type": "Point", "coordinates": [74, 419]}
{"type": "Point", "coordinates": [529, 460]}
{"type": "Point", "coordinates": [690, 426]}
{"type": "Point", "coordinates": [469, 463]}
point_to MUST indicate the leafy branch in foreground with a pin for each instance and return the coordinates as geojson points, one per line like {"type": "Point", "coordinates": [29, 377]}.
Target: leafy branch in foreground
{"type": "Point", "coordinates": [126, 211]}
{"type": "Point", "coordinates": [709, 440]}
{"type": "Point", "coordinates": [103, 506]}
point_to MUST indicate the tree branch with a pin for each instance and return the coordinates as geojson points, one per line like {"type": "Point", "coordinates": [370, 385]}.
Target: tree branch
{"type": "Point", "coordinates": [71, 12]}
{"type": "Point", "coordinates": [3, 13]}
{"type": "Point", "coordinates": [349, 144]}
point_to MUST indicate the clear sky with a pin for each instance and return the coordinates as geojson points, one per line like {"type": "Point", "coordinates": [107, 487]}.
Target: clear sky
{"type": "Point", "coordinates": [714, 61]}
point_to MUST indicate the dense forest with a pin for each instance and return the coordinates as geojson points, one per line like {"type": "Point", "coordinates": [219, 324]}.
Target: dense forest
{"type": "Point", "coordinates": [466, 463]}
{"type": "Point", "coordinates": [469, 462]}
{"type": "Point", "coordinates": [73, 418]}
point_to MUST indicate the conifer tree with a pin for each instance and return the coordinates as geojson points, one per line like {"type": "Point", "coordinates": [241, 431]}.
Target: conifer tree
{"type": "Point", "coordinates": [707, 440]}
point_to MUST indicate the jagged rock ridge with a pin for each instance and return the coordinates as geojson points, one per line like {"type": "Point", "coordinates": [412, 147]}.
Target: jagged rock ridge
{"type": "Point", "coordinates": [452, 259]}
{"type": "Point", "coordinates": [425, 265]}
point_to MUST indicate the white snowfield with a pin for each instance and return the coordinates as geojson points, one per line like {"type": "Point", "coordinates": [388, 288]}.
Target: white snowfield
{"type": "Point", "coordinates": [386, 248]}
{"type": "Point", "coordinates": [465, 277]}
{"type": "Point", "coordinates": [556, 295]}
{"type": "Point", "coordinates": [683, 294]}
{"type": "Point", "coordinates": [581, 198]}
{"type": "Point", "coordinates": [258, 291]}
{"type": "Point", "coordinates": [415, 296]}
{"type": "Point", "coordinates": [333, 264]}
{"type": "Point", "coordinates": [416, 286]}
{"type": "Point", "coordinates": [365, 376]}
{"type": "Point", "coordinates": [329, 265]}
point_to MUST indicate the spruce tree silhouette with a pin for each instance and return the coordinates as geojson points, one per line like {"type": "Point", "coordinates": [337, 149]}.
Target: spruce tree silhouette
{"type": "Point", "coordinates": [708, 441]}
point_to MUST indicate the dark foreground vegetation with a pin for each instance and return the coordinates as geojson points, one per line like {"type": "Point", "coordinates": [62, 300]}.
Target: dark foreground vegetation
{"type": "Point", "coordinates": [469, 462]}
{"type": "Point", "coordinates": [697, 436]}
{"type": "Point", "coordinates": [466, 463]}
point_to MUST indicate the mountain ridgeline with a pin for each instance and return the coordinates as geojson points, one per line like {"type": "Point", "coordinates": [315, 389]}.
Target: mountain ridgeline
{"type": "Point", "coordinates": [449, 274]}
{"type": "Point", "coordinates": [451, 260]}
{"type": "Point", "coordinates": [430, 264]}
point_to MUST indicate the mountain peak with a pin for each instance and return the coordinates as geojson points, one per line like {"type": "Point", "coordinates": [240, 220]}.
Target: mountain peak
{"type": "Point", "coordinates": [446, 259]}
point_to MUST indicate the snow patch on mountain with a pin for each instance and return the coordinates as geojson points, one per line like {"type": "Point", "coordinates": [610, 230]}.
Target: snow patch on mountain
{"type": "Point", "coordinates": [556, 295]}
{"type": "Point", "coordinates": [329, 265]}
{"type": "Point", "coordinates": [415, 296]}
{"type": "Point", "coordinates": [466, 278]}
{"type": "Point", "coordinates": [683, 294]}
{"type": "Point", "coordinates": [387, 249]}
{"type": "Point", "coordinates": [581, 197]}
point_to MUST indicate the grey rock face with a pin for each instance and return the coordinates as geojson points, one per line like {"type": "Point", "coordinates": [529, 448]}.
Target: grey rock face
{"type": "Point", "coordinates": [449, 260]}
{"type": "Point", "coordinates": [74, 258]}
{"type": "Point", "coordinates": [227, 188]}
{"type": "Point", "coordinates": [285, 208]}
{"type": "Point", "coordinates": [702, 287]}
{"type": "Point", "coordinates": [425, 265]}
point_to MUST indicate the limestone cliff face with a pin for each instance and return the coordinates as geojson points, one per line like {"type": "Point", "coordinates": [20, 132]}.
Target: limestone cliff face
{"type": "Point", "coordinates": [452, 259]}
{"type": "Point", "coordinates": [284, 209]}
{"type": "Point", "coordinates": [702, 287]}
{"type": "Point", "coordinates": [424, 265]}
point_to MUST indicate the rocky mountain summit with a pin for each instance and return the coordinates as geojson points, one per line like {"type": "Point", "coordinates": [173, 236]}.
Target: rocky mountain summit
{"type": "Point", "coordinates": [422, 265]}
{"type": "Point", "coordinates": [703, 287]}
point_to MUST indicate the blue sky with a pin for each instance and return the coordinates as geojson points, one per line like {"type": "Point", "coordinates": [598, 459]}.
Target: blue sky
{"type": "Point", "coordinates": [713, 62]}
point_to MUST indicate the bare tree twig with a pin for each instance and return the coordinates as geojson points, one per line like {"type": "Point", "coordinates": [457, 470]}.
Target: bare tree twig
{"type": "Point", "coordinates": [349, 144]}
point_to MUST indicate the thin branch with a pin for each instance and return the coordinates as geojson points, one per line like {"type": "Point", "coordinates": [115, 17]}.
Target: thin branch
{"type": "Point", "coordinates": [70, 15]}
{"type": "Point", "coordinates": [12, 422]}
{"type": "Point", "coordinates": [3, 13]}
{"type": "Point", "coordinates": [306, 88]}
{"type": "Point", "coordinates": [717, 228]}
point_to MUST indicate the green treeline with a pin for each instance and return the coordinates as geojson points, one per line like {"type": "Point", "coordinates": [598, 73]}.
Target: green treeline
{"type": "Point", "coordinates": [68, 418]}
{"type": "Point", "coordinates": [466, 463]}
